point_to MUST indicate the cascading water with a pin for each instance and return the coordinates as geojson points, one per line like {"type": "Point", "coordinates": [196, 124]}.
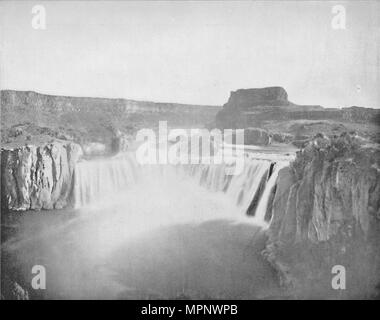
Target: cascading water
{"type": "Point", "coordinates": [249, 191]}
{"type": "Point", "coordinates": [260, 214]}
{"type": "Point", "coordinates": [240, 188]}
{"type": "Point", "coordinates": [100, 178]}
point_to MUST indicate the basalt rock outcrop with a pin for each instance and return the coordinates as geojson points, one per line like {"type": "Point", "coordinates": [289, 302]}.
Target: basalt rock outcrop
{"type": "Point", "coordinates": [38, 177]}
{"type": "Point", "coordinates": [326, 212]}
{"type": "Point", "coordinates": [270, 109]}
{"type": "Point", "coordinates": [248, 107]}
{"type": "Point", "coordinates": [244, 99]}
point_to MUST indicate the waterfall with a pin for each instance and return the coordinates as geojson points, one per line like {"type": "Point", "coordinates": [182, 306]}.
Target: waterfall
{"type": "Point", "coordinates": [254, 183]}
{"type": "Point", "coordinates": [100, 178]}
{"type": "Point", "coordinates": [250, 190]}
{"type": "Point", "coordinates": [260, 214]}
{"type": "Point", "coordinates": [240, 188]}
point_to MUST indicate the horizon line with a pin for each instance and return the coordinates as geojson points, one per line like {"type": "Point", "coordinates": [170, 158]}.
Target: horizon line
{"type": "Point", "coordinates": [177, 103]}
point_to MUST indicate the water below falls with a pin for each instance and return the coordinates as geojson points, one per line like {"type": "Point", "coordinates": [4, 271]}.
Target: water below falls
{"type": "Point", "coordinates": [155, 231]}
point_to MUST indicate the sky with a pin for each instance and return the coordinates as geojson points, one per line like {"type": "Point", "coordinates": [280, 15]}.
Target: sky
{"type": "Point", "coordinates": [193, 51]}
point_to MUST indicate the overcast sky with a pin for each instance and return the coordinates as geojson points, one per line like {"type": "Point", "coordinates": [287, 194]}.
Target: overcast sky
{"type": "Point", "coordinates": [193, 52]}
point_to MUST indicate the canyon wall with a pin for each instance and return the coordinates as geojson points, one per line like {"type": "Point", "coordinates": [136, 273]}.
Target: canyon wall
{"type": "Point", "coordinates": [326, 212]}
{"type": "Point", "coordinates": [11, 100]}
{"type": "Point", "coordinates": [35, 118]}
{"type": "Point", "coordinates": [38, 177]}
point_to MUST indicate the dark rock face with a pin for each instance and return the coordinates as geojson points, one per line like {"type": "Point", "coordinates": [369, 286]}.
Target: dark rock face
{"type": "Point", "coordinates": [244, 99]}
{"type": "Point", "coordinates": [38, 177]}
{"type": "Point", "coordinates": [233, 114]}
{"type": "Point", "coordinates": [120, 142]}
{"type": "Point", "coordinates": [11, 290]}
{"type": "Point", "coordinates": [326, 211]}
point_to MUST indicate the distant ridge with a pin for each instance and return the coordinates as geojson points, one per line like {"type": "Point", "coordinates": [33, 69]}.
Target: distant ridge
{"type": "Point", "coordinates": [33, 98]}
{"type": "Point", "coordinates": [247, 107]}
{"type": "Point", "coordinates": [90, 119]}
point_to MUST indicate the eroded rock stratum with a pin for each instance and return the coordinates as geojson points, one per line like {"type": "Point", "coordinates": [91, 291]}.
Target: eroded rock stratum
{"type": "Point", "coordinates": [326, 212]}
{"type": "Point", "coordinates": [38, 177]}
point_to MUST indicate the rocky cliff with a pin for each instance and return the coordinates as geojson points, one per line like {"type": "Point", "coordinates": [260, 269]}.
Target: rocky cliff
{"type": "Point", "coordinates": [11, 99]}
{"type": "Point", "coordinates": [38, 177]}
{"type": "Point", "coordinates": [244, 105]}
{"type": "Point", "coordinates": [326, 212]}
{"type": "Point", "coordinates": [247, 98]}
{"type": "Point", "coordinates": [270, 109]}
{"type": "Point", "coordinates": [35, 118]}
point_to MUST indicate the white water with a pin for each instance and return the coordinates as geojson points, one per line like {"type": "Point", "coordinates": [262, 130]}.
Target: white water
{"type": "Point", "coordinates": [104, 182]}
{"type": "Point", "coordinates": [239, 188]}
{"type": "Point", "coordinates": [100, 178]}
{"type": "Point", "coordinates": [264, 200]}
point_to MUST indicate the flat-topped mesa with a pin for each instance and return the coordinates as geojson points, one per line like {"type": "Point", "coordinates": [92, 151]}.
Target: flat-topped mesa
{"type": "Point", "coordinates": [266, 107]}
{"type": "Point", "coordinates": [244, 99]}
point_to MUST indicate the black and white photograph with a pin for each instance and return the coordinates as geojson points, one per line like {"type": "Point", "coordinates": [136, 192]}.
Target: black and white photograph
{"type": "Point", "coordinates": [190, 150]}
